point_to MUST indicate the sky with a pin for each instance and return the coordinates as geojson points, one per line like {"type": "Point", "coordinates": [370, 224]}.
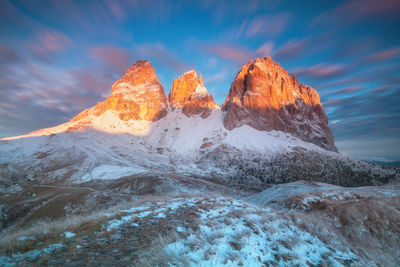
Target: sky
{"type": "Point", "coordinates": [60, 57]}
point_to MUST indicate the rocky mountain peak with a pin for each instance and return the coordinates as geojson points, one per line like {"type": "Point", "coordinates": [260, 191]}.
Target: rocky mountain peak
{"type": "Point", "coordinates": [264, 96]}
{"type": "Point", "coordinates": [141, 72]}
{"type": "Point", "coordinates": [138, 95]}
{"type": "Point", "coordinates": [184, 87]}
{"type": "Point", "coordinates": [188, 92]}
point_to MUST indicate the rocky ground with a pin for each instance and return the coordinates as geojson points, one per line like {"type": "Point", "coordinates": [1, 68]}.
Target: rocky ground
{"type": "Point", "coordinates": [152, 221]}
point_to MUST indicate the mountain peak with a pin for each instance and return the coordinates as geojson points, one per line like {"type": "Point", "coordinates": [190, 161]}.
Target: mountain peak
{"type": "Point", "coordinates": [183, 88]}
{"type": "Point", "coordinates": [188, 92]}
{"type": "Point", "coordinates": [140, 72]}
{"type": "Point", "coordinates": [138, 95]}
{"type": "Point", "coordinates": [264, 96]}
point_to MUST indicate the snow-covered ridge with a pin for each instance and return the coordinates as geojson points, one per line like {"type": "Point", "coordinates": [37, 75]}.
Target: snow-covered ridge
{"type": "Point", "coordinates": [186, 135]}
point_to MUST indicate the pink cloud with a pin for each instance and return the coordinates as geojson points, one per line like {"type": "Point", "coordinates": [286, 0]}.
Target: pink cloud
{"type": "Point", "coordinates": [217, 77]}
{"type": "Point", "coordinates": [367, 8]}
{"type": "Point", "coordinates": [267, 25]}
{"type": "Point", "coordinates": [356, 10]}
{"type": "Point", "coordinates": [333, 102]}
{"type": "Point", "coordinates": [292, 49]}
{"type": "Point", "coordinates": [347, 90]}
{"type": "Point", "coordinates": [159, 52]}
{"type": "Point", "coordinates": [384, 55]}
{"type": "Point", "coordinates": [8, 55]}
{"type": "Point", "coordinates": [265, 50]}
{"type": "Point", "coordinates": [238, 53]}
{"type": "Point", "coordinates": [322, 71]}
{"type": "Point", "coordinates": [54, 41]}
{"type": "Point", "coordinates": [115, 9]}
{"type": "Point", "coordinates": [47, 43]}
{"type": "Point", "coordinates": [97, 81]}
{"type": "Point", "coordinates": [235, 53]}
{"type": "Point", "coordinates": [116, 58]}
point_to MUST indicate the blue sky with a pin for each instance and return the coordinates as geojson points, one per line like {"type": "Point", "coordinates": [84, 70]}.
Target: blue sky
{"type": "Point", "coordinates": [60, 57]}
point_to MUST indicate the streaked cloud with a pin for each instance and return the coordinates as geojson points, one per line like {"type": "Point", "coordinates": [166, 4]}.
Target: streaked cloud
{"type": "Point", "coordinates": [267, 25]}
{"type": "Point", "coordinates": [159, 52]}
{"type": "Point", "coordinates": [322, 71]}
{"type": "Point", "coordinates": [237, 53]}
{"type": "Point", "coordinates": [117, 58]}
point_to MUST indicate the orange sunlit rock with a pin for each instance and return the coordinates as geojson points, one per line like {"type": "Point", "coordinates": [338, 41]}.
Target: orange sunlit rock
{"type": "Point", "coordinates": [264, 96]}
{"type": "Point", "coordinates": [188, 92]}
{"type": "Point", "coordinates": [138, 95]}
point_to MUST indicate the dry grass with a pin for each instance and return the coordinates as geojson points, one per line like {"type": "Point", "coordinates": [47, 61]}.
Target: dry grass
{"type": "Point", "coordinates": [370, 226]}
{"type": "Point", "coordinates": [155, 255]}
{"type": "Point", "coordinates": [46, 229]}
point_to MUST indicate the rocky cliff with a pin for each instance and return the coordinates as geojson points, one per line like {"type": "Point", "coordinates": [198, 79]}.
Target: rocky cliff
{"type": "Point", "coordinates": [188, 92]}
{"type": "Point", "coordinates": [264, 96]}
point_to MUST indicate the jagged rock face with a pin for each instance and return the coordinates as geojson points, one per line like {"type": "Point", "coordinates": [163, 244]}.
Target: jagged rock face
{"type": "Point", "coordinates": [138, 95]}
{"type": "Point", "coordinates": [188, 92]}
{"type": "Point", "coordinates": [266, 97]}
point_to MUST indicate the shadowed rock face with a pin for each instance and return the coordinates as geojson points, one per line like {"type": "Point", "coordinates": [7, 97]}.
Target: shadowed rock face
{"type": "Point", "coordinates": [138, 95]}
{"type": "Point", "coordinates": [264, 96]}
{"type": "Point", "coordinates": [188, 92]}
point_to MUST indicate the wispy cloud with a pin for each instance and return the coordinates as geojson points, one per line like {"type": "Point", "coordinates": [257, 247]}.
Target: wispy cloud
{"type": "Point", "coordinates": [322, 71]}
{"type": "Point", "coordinates": [292, 49]}
{"type": "Point", "coordinates": [232, 52]}
{"type": "Point", "coordinates": [357, 10]}
{"type": "Point", "coordinates": [385, 55]}
{"type": "Point", "coordinates": [267, 25]}
{"type": "Point", "coordinates": [8, 56]}
{"type": "Point", "coordinates": [48, 43]}
{"type": "Point", "coordinates": [237, 53]}
{"type": "Point", "coordinates": [160, 53]}
{"type": "Point", "coordinates": [116, 58]}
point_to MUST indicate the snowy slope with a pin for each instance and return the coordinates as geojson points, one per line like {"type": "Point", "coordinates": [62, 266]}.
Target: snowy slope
{"type": "Point", "coordinates": [109, 148]}
{"type": "Point", "coordinates": [112, 148]}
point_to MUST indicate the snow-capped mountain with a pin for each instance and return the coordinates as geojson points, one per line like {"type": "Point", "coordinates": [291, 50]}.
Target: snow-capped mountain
{"type": "Point", "coordinates": [271, 129]}
{"type": "Point", "coordinates": [181, 181]}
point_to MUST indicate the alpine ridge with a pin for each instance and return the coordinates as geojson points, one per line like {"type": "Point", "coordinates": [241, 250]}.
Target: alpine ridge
{"type": "Point", "coordinates": [264, 96]}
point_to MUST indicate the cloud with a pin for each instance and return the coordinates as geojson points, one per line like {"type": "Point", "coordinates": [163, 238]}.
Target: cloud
{"type": "Point", "coordinates": [8, 56]}
{"type": "Point", "coordinates": [158, 52]}
{"type": "Point", "coordinates": [264, 50]}
{"type": "Point", "coordinates": [292, 49]}
{"type": "Point", "coordinates": [54, 41]}
{"type": "Point", "coordinates": [354, 47]}
{"type": "Point", "coordinates": [116, 9]}
{"type": "Point", "coordinates": [35, 90]}
{"type": "Point", "coordinates": [347, 90]}
{"type": "Point", "coordinates": [386, 75]}
{"type": "Point", "coordinates": [267, 25]}
{"type": "Point", "coordinates": [372, 114]}
{"type": "Point", "coordinates": [94, 80]}
{"type": "Point", "coordinates": [116, 58]}
{"type": "Point", "coordinates": [387, 54]}
{"type": "Point", "coordinates": [217, 77]}
{"type": "Point", "coordinates": [48, 43]}
{"type": "Point", "coordinates": [359, 10]}
{"type": "Point", "coordinates": [227, 10]}
{"type": "Point", "coordinates": [322, 71]}
{"type": "Point", "coordinates": [238, 53]}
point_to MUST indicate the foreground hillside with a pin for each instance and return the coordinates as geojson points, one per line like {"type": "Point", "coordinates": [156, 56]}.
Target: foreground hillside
{"type": "Point", "coordinates": [139, 221]}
